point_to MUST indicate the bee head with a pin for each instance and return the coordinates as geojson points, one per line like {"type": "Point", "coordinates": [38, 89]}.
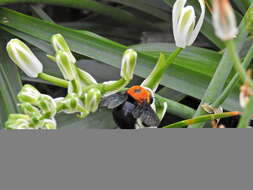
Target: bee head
{"type": "Point", "coordinates": [140, 94]}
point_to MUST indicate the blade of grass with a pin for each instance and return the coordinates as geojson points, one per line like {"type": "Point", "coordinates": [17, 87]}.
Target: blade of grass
{"type": "Point", "coordinates": [145, 8]}
{"type": "Point", "coordinates": [10, 83]}
{"type": "Point", "coordinates": [116, 14]}
{"type": "Point", "coordinates": [234, 80]}
{"type": "Point", "coordinates": [202, 119]}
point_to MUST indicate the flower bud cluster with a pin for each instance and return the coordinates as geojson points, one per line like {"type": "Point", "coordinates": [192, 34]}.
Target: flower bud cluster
{"type": "Point", "coordinates": [84, 93]}
{"type": "Point", "coordinates": [38, 111]}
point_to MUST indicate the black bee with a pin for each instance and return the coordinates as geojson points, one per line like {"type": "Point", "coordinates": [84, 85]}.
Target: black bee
{"type": "Point", "coordinates": [132, 109]}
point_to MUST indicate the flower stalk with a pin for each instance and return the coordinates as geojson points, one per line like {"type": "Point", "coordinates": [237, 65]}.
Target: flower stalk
{"type": "Point", "coordinates": [202, 119]}
{"type": "Point", "coordinates": [154, 79]}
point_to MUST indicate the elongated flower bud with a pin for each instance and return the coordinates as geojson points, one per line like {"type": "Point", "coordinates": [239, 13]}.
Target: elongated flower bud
{"type": "Point", "coordinates": [92, 100]}
{"type": "Point", "coordinates": [128, 64]}
{"type": "Point", "coordinates": [47, 105]}
{"type": "Point", "coordinates": [29, 94]}
{"type": "Point", "coordinates": [24, 58]}
{"type": "Point", "coordinates": [30, 110]}
{"type": "Point", "coordinates": [245, 93]}
{"type": "Point", "coordinates": [60, 44]}
{"type": "Point", "coordinates": [184, 19]}
{"type": "Point", "coordinates": [85, 78]}
{"type": "Point", "coordinates": [17, 121]}
{"type": "Point", "coordinates": [49, 124]}
{"type": "Point", "coordinates": [224, 20]}
{"type": "Point", "coordinates": [66, 65]}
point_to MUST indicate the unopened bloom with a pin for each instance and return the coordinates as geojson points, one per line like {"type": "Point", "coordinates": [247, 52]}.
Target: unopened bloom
{"type": "Point", "coordinates": [66, 65]}
{"type": "Point", "coordinates": [24, 58]}
{"type": "Point", "coordinates": [224, 20]}
{"type": "Point", "coordinates": [49, 124]}
{"type": "Point", "coordinates": [47, 105]}
{"type": "Point", "coordinates": [92, 99]}
{"type": "Point", "coordinates": [71, 104]}
{"type": "Point", "coordinates": [128, 64]}
{"type": "Point", "coordinates": [86, 78]}
{"type": "Point", "coordinates": [29, 94]}
{"type": "Point", "coordinates": [245, 93]}
{"type": "Point", "coordinates": [18, 121]}
{"type": "Point", "coordinates": [184, 20]}
{"type": "Point", "coordinates": [60, 44]}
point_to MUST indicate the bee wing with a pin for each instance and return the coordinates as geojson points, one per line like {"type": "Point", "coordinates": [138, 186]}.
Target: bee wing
{"type": "Point", "coordinates": [146, 114]}
{"type": "Point", "coordinates": [113, 100]}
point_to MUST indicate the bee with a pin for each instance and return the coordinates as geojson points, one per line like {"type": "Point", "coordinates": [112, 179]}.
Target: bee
{"type": "Point", "coordinates": [132, 109]}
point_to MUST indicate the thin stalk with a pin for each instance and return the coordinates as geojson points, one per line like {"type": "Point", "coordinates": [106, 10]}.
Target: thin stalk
{"type": "Point", "coordinates": [54, 80]}
{"type": "Point", "coordinates": [237, 63]}
{"type": "Point", "coordinates": [234, 80]}
{"type": "Point", "coordinates": [153, 80]}
{"type": "Point", "coordinates": [117, 85]}
{"type": "Point", "coordinates": [202, 119]}
{"type": "Point", "coordinates": [247, 115]}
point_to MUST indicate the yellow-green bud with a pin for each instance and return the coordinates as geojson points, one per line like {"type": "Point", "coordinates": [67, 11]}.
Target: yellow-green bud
{"type": "Point", "coordinates": [29, 94]}
{"type": "Point", "coordinates": [92, 99]}
{"type": "Point", "coordinates": [47, 105]}
{"type": "Point", "coordinates": [66, 65]}
{"type": "Point", "coordinates": [128, 64]}
{"type": "Point", "coordinates": [60, 44]}
{"type": "Point", "coordinates": [18, 121]}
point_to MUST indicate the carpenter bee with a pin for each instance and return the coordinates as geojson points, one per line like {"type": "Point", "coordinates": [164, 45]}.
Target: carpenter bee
{"type": "Point", "coordinates": [132, 109]}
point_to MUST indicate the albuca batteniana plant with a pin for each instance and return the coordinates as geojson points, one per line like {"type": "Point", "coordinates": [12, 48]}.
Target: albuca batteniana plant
{"type": "Point", "coordinates": [198, 72]}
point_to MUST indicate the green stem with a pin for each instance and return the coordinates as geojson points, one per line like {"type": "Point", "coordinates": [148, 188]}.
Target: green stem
{"type": "Point", "coordinates": [234, 80]}
{"type": "Point", "coordinates": [153, 80]}
{"type": "Point", "coordinates": [237, 63]}
{"type": "Point", "coordinates": [116, 14]}
{"type": "Point", "coordinates": [117, 85]}
{"type": "Point", "coordinates": [54, 80]}
{"type": "Point", "coordinates": [247, 114]}
{"type": "Point", "coordinates": [176, 108]}
{"type": "Point", "coordinates": [202, 119]}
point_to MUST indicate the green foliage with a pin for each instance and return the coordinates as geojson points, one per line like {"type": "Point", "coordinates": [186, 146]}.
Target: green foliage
{"type": "Point", "coordinates": [189, 75]}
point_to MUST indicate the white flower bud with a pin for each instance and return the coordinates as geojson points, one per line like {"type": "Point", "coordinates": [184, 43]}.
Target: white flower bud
{"type": "Point", "coordinates": [47, 105]}
{"type": "Point", "coordinates": [66, 65]}
{"type": "Point", "coordinates": [85, 78]}
{"type": "Point", "coordinates": [60, 44]}
{"type": "Point", "coordinates": [49, 124]}
{"type": "Point", "coordinates": [184, 20]}
{"type": "Point", "coordinates": [18, 121]}
{"type": "Point", "coordinates": [92, 99]}
{"type": "Point", "coordinates": [30, 110]}
{"type": "Point", "coordinates": [128, 64]}
{"type": "Point", "coordinates": [24, 58]}
{"type": "Point", "coordinates": [29, 94]}
{"type": "Point", "coordinates": [224, 20]}
{"type": "Point", "coordinates": [71, 104]}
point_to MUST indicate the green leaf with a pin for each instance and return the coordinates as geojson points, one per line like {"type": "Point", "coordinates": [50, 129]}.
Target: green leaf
{"type": "Point", "coordinates": [116, 14]}
{"type": "Point", "coordinates": [147, 8]}
{"type": "Point", "coordinates": [190, 74]}
{"type": "Point", "coordinates": [10, 83]}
